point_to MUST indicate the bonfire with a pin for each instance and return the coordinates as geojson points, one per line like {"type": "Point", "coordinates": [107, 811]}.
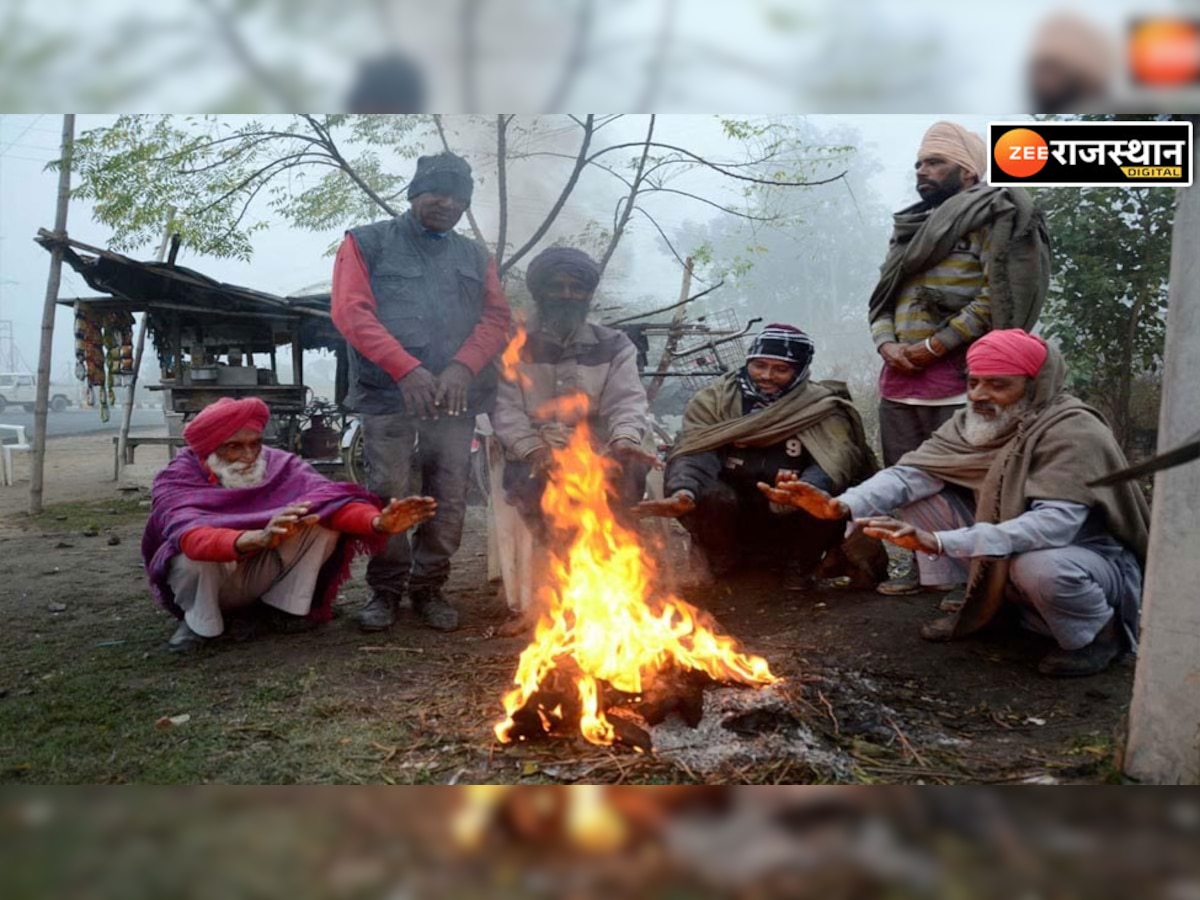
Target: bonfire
{"type": "Point", "coordinates": [610, 653]}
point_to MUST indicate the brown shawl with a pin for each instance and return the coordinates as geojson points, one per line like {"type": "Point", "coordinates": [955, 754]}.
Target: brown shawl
{"type": "Point", "coordinates": [1019, 271]}
{"type": "Point", "coordinates": [1059, 446]}
{"type": "Point", "coordinates": [819, 413]}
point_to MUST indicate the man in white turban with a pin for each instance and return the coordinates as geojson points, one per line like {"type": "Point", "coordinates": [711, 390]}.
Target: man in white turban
{"type": "Point", "coordinates": [966, 258]}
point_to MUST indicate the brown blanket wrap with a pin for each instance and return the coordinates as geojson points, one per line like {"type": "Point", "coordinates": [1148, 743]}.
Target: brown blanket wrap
{"type": "Point", "coordinates": [819, 413]}
{"type": "Point", "coordinates": [1059, 446]}
{"type": "Point", "coordinates": [1019, 271]}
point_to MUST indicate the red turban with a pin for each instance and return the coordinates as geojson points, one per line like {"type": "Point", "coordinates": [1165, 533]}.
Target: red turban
{"type": "Point", "coordinates": [1009, 351]}
{"type": "Point", "coordinates": [220, 421]}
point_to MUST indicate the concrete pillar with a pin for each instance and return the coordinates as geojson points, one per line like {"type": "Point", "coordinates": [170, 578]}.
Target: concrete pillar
{"type": "Point", "coordinates": [1164, 718]}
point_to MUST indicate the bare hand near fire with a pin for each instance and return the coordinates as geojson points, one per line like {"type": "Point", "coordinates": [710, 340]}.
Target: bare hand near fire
{"type": "Point", "coordinates": [678, 504]}
{"type": "Point", "coordinates": [628, 452]}
{"type": "Point", "coordinates": [789, 490]}
{"type": "Point", "coordinates": [401, 515]}
{"type": "Point", "coordinates": [540, 460]}
{"type": "Point", "coordinates": [282, 526]}
{"type": "Point", "coordinates": [902, 534]}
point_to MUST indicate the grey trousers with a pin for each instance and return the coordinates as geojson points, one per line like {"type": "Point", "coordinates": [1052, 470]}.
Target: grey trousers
{"type": "Point", "coordinates": [443, 456]}
{"type": "Point", "coordinates": [1067, 593]}
{"type": "Point", "coordinates": [905, 426]}
{"type": "Point", "coordinates": [285, 578]}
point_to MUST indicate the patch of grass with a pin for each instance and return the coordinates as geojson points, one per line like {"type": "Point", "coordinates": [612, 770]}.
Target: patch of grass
{"type": "Point", "coordinates": [89, 716]}
{"type": "Point", "coordinates": [78, 516]}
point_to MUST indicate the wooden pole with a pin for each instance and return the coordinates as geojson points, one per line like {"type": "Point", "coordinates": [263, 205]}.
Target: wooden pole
{"type": "Point", "coordinates": [46, 351]}
{"type": "Point", "coordinates": [1164, 715]}
{"type": "Point", "coordinates": [664, 362]}
{"type": "Point", "coordinates": [127, 412]}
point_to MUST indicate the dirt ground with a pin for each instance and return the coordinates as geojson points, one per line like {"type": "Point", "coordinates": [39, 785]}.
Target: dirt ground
{"type": "Point", "coordinates": [86, 684]}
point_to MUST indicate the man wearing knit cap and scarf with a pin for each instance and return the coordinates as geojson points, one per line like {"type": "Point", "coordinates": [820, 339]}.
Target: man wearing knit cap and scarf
{"type": "Point", "coordinates": [999, 497]}
{"type": "Point", "coordinates": [967, 258]}
{"type": "Point", "coordinates": [232, 522]}
{"type": "Point", "coordinates": [566, 355]}
{"type": "Point", "coordinates": [424, 317]}
{"type": "Point", "coordinates": [746, 427]}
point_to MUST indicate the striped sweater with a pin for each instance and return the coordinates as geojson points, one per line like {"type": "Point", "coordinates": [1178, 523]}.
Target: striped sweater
{"type": "Point", "coordinates": [949, 301]}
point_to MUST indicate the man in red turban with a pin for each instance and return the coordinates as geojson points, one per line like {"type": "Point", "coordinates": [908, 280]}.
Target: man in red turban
{"type": "Point", "coordinates": [966, 258]}
{"type": "Point", "coordinates": [233, 522]}
{"type": "Point", "coordinates": [998, 498]}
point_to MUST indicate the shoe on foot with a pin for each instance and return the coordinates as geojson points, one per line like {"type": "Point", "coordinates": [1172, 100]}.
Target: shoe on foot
{"type": "Point", "coordinates": [432, 609]}
{"type": "Point", "coordinates": [184, 639]}
{"type": "Point", "coordinates": [380, 612]}
{"type": "Point", "coordinates": [1095, 657]}
{"type": "Point", "coordinates": [908, 583]}
{"type": "Point", "coordinates": [954, 599]}
{"type": "Point", "coordinates": [286, 623]}
{"type": "Point", "coordinates": [796, 582]}
{"type": "Point", "coordinates": [940, 629]}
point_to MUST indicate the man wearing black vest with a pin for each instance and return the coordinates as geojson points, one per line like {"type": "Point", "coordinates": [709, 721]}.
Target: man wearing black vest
{"type": "Point", "coordinates": [424, 316]}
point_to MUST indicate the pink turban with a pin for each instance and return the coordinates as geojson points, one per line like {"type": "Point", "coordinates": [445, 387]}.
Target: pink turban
{"type": "Point", "coordinates": [1009, 351]}
{"type": "Point", "coordinates": [955, 144]}
{"type": "Point", "coordinates": [220, 421]}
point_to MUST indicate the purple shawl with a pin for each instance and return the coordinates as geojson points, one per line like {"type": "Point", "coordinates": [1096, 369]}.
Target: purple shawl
{"type": "Point", "coordinates": [184, 497]}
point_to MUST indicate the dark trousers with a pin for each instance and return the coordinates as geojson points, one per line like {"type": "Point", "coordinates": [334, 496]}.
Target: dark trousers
{"type": "Point", "coordinates": [904, 427]}
{"type": "Point", "coordinates": [443, 450]}
{"type": "Point", "coordinates": [735, 527]}
{"type": "Point", "coordinates": [523, 489]}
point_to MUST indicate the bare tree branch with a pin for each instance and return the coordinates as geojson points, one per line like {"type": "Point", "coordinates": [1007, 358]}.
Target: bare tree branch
{"type": "Point", "coordinates": [722, 168]}
{"type": "Point", "coordinates": [241, 52]}
{"type": "Point", "coordinates": [629, 201]}
{"type": "Point", "coordinates": [662, 234]}
{"type": "Point", "coordinates": [264, 174]}
{"type": "Point", "coordinates": [580, 162]}
{"type": "Point", "coordinates": [658, 58]}
{"type": "Point", "coordinates": [469, 53]}
{"type": "Point", "coordinates": [502, 185]}
{"type": "Point", "coordinates": [328, 142]}
{"type": "Point", "coordinates": [663, 309]}
{"type": "Point", "coordinates": [576, 56]}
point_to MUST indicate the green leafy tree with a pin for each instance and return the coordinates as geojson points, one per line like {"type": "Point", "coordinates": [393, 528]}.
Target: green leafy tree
{"type": "Point", "coordinates": [219, 179]}
{"type": "Point", "coordinates": [1107, 303]}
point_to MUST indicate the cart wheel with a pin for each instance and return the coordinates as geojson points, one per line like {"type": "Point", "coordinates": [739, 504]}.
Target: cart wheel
{"type": "Point", "coordinates": [355, 463]}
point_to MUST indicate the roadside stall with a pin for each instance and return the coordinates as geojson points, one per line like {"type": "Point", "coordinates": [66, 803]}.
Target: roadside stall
{"type": "Point", "coordinates": [212, 340]}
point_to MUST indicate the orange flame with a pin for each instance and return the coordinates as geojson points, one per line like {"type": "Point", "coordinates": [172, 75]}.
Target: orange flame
{"type": "Point", "coordinates": [598, 610]}
{"type": "Point", "coordinates": [510, 359]}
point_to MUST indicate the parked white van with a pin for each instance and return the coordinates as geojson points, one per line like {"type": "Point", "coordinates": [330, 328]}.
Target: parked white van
{"type": "Point", "coordinates": [20, 389]}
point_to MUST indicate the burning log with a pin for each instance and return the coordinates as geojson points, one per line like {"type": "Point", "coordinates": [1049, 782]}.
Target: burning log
{"type": "Point", "coordinates": [604, 643]}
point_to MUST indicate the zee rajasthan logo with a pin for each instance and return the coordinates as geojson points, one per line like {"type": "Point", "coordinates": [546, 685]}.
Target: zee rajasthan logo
{"type": "Point", "coordinates": [1090, 154]}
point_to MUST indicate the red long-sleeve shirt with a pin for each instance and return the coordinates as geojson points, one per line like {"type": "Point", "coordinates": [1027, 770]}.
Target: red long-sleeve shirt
{"type": "Point", "coordinates": [355, 315]}
{"type": "Point", "coordinates": [206, 544]}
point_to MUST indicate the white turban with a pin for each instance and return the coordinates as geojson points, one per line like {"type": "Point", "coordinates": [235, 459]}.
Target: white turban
{"type": "Point", "coordinates": [955, 144]}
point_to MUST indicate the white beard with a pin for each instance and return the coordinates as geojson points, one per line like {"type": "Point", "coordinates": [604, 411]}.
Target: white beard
{"type": "Point", "coordinates": [238, 475]}
{"type": "Point", "coordinates": [980, 430]}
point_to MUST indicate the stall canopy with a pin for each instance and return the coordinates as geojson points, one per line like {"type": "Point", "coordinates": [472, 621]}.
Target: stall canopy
{"type": "Point", "coordinates": [182, 301]}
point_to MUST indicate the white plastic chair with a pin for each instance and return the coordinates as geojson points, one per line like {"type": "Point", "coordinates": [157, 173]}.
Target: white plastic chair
{"type": "Point", "coordinates": [6, 462]}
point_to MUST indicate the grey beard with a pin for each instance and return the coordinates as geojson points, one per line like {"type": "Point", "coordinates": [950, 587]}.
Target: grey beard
{"type": "Point", "coordinates": [979, 431]}
{"type": "Point", "coordinates": [236, 475]}
{"type": "Point", "coordinates": [562, 319]}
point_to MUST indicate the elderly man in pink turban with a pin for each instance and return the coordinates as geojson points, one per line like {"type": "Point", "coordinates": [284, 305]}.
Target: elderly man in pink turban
{"type": "Point", "coordinates": [966, 258]}
{"type": "Point", "coordinates": [233, 522]}
{"type": "Point", "coordinates": [998, 497]}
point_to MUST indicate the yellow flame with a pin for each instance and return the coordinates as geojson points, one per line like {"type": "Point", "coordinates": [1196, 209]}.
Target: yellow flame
{"type": "Point", "coordinates": [511, 357]}
{"type": "Point", "coordinates": [598, 609]}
